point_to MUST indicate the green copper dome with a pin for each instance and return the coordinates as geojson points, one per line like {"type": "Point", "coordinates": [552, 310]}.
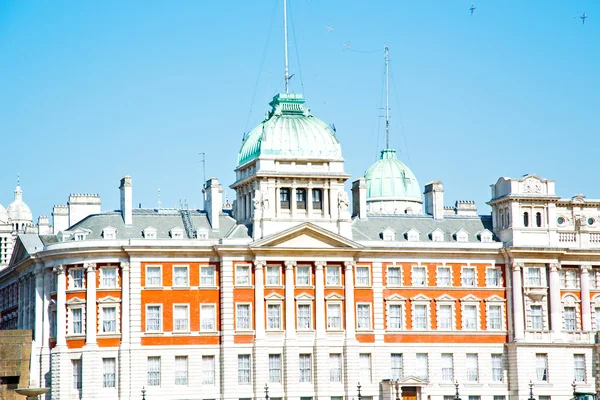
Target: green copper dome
{"type": "Point", "coordinates": [389, 178]}
{"type": "Point", "coordinates": [290, 131]}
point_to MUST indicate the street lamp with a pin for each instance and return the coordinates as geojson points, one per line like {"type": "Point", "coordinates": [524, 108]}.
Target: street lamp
{"type": "Point", "coordinates": [358, 387]}
{"type": "Point", "coordinates": [143, 393]}
{"type": "Point", "coordinates": [531, 391]}
{"type": "Point", "coordinates": [266, 392]}
{"type": "Point", "coordinates": [397, 385]}
{"type": "Point", "coordinates": [574, 387]}
{"type": "Point", "coordinates": [457, 396]}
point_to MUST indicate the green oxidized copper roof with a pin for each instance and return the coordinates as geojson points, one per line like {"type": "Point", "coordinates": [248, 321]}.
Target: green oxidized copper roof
{"type": "Point", "coordinates": [390, 178]}
{"type": "Point", "coordinates": [290, 131]}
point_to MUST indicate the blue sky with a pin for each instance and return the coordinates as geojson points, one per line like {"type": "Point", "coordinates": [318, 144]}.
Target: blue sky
{"type": "Point", "coordinates": [91, 91]}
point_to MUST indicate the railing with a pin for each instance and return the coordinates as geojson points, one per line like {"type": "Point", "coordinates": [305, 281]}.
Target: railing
{"type": "Point", "coordinates": [595, 238]}
{"type": "Point", "coordinates": [567, 237]}
{"type": "Point", "coordinates": [545, 336]}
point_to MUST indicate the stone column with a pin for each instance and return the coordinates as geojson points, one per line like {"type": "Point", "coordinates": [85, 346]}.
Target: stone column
{"type": "Point", "coordinates": [309, 204]}
{"type": "Point", "coordinates": [124, 351]}
{"type": "Point", "coordinates": [586, 315]}
{"type": "Point", "coordinates": [320, 298]}
{"type": "Point", "coordinates": [326, 201]}
{"type": "Point", "coordinates": [61, 312]}
{"type": "Point", "coordinates": [351, 347]}
{"type": "Point", "coordinates": [293, 203]}
{"type": "Point", "coordinates": [90, 310]}
{"type": "Point", "coordinates": [349, 300]}
{"type": "Point", "coordinates": [290, 350]}
{"type": "Point", "coordinates": [555, 308]}
{"type": "Point", "coordinates": [20, 305]}
{"type": "Point", "coordinates": [517, 292]}
{"type": "Point", "coordinates": [259, 298]}
{"type": "Point", "coordinates": [290, 312]}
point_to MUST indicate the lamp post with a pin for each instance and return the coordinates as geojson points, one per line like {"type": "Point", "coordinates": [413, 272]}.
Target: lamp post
{"type": "Point", "coordinates": [143, 393]}
{"type": "Point", "coordinates": [397, 385]}
{"type": "Point", "coordinates": [358, 387]}
{"type": "Point", "coordinates": [457, 395]}
{"type": "Point", "coordinates": [531, 391]}
{"type": "Point", "coordinates": [574, 385]}
{"type": "Point", "coordinates": [266, 392]}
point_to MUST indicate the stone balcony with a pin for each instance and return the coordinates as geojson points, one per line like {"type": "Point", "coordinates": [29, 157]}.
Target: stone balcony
{"type": "Point", "coordinates": [546, 336]}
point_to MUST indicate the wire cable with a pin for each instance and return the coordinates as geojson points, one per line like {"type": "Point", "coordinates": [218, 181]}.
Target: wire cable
{"type": "Point", "coordinates": [296, 47]}
{"type": "Point", "coordinates": [400, 116]}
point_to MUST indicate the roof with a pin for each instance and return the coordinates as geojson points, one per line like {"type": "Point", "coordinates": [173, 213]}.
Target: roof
{"type": "Point", "coordinates": [18, 211]}
{"type": "Point", "coordinates": [389, 179]}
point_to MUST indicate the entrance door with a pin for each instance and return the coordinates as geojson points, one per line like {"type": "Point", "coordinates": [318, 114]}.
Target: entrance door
{"type": "Point", "coordinates": [409, 393]}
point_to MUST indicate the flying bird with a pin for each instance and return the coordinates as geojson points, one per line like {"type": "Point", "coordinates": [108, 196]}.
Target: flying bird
{"type": "Point", "coordinates": [583, 17]}
{"type": "Point", "coordinates": [329, 28]}
{"type": "Point", "coordinates": [472, 9]}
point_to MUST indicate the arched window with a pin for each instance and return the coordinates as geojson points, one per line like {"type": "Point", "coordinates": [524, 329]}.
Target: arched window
{"type": "Point", "coordinates": [538, 219]}
{"type": "Point", "coordinates": [525, 218]}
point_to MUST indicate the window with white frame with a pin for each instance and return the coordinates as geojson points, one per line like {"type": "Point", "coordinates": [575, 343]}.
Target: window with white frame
{"type": "Point", "coordinates": [207, 275]}
{"type": "Point", "coordinates": [305, 368]}
{"type": "Point", "coordinates": [472, 367]}
{"type": "Point", "coordinates": [53, 323]}
{"type": "Point", "coordinates": [242, 317]}
{"type": "Point", "coordinates": [77, 373]}
{"type": "Point", "coordinates": [273, 276]}
{"type": "Point", "coordinates": [571, 278]}
{"type": "Point", "coordinates": [536, 317]}
{"type": "Point", "coordinates": [77, 321]}
{"type": "Point", "coordinates": [274, 316]}
{"type": "Point", "coordinates": [153, 318]}
{"type": "Point", "coordinates": [397, 366]}
{"type": "Point", "coordinates": [181, 370]}
{"type": "Point", "coordinates": [362, 276]}
{"type": "Point", "coordinates": [474, 397]}
{"type": "Point", "coordinates": [419, 276]}
{"type": "Point", "coordinates": [445, 317]}
{"type": "Point", "coordinates": [541, 367]}
{"type": "Point", "coordinates": [394, 276]}
{"type": "Point", "coordinates": [108, 277]}
{"type": "Point", "coordinates": [579, 367]}
{"type": "Point", "coordinates": [76, 278]}
{"type": "Point", "coordinates": [303, 276]}
{"type": "Point", "coordinates": [493, 277]}
{"type": "Point", "coordinates": [180, 276]}
{"type": "Point", "coordinates": [494, 314]}
{"type": "Point", "coordinates": [365, 367]}
{"type": "Point", "coordinates": [444, 276]}
{"type": "Point", "coordinates": [153, 275]}
{"type": "Point", "coordinates": [109, 372]}
{"type": "Point", "coordinates": [395, 316]}
{"type": "Point", "coordinates": [447, 367]}
{"type": "Point", "coordinates": [208, 370]}
{"type": "Point", "coordinates": [335, 367]}
{"type": "Point", "coordinates": [334, 316]}
{"type": "Point", "coordinates": [153, 371]}
{"type": "Point", "coordinates": [497, 368]}
{"type": "Point", "coordinates": [419, 317]}
{"type": "Point", "coordinates": [208, 318]}
{"type": "Point", "coordinates": [244, 368]}
{"type": "Point", "coordinates": [569, 321]}
{"type": "Point", "coordinates": [108, 315]}
{"type": "Point", "coordinates": [469, 314]}
{"type": "Point", "coordinates": [363, 316]}
{"type": "Point", "coordinates": [534, 277]}
{"type": "Point", "coordinates": [597, 318]}
{"type": "Point", "coordinates": [304, 317]}
{"type": "Point", "coordinates": [181, 318]}
{"type": "Point", "coordinates": [275, 368]}
{"type": "Point", "coordinates": [242, 275]}
{"type": "Point", "coordinates": [467, 278]}
{"type": "Point", "coordinates": [422, 366]}
{"type": "Point", "coordinates": [333, 276]}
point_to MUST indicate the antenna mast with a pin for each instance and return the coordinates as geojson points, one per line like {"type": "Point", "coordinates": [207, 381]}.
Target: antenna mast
{"type": "Point", "coordinates": [203, 161]}
{"type": "Point", "coordinates": [387, 101]}
{"type": "Point", "coordinates": [285, 39]}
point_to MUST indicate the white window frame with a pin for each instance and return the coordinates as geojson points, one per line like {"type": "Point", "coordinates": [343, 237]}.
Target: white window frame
{"type": "Point", "coordinates": [338, 304]}
{"type": "Point", "coordinates": [579, 371]}
{"type": "Point", "coordinates": [309, 270]}
{"type": "Point", "coordinates": [464, 324]}
{"type": "Point", "coordinates": [103, 271]}
{"type": "Point", "coordinates": [362, 327]}
{"type": "Point", "coordinates": [532, 280]}
{"type": "Point", "coordinates": [335, 367]}
{"type": "Point", "coordinates": [243, 380]}
{"type": "Point", "coordinates": [276, 268]}
{"type": "Point", "coordinates": [72, 310]}
{"type": "Point", "coordinates": [420, 357]}
{"type": "Point", "coordinates": [278, 305]}
{"type": "Point", "coordinates": [181, 375]}
{"type": "Point", "coordinates": [497, 372]}
{"type": "Point", "coordinates": [160, 320]}
{"type": "Point", "coordinates": [395, 303]}
{"type": "Point", "coordinates": [72, 279]}
{"type": "Point", "coordinates": [488, 314]}
{"type": "Point", "coordinates": [243, 279]}
{"type": "Point", "coordinates": [109, 378]}
{"type": "Point", "coordinates": [397, 368]}
{"type": "Point", "coordinates": [472, 367]}
{"type": "Point", "coordinates": [414, 281]}
{"type": "Point", "coordinates": [335, 279]}
{"type": "Point", "coordinates": [187, 307]}
{"type": "Point", "coordinates": [304, 304]}
{"type": "Point", "coordinates": [155, 381]}
{"type": "Point", "coordinates": [465, 280]}
{"type": "Point", "coordinates": [438, 277]}
{"type": "Point", "coordinates": [541, 367]}
{"type": "Point", "coordinates": [77, 369]}
{"type": "Point", "coordinates": [447, 369]}
{"type": "Point", "coordinates": [208, 374]}
{"type": "Point", "coordinates": [208, 268]}
{"type": "Point", "coordinates": [489, 277]}
{"type": "Point", "coordinates": [426, 304]}
{"type": "Point", "coordinates": [76, 304]}
{"type": "Point", "coordinates": [275, 368]}
{"type": "Point", "coordinates": [237, 317]}
{"type": "Point", "coordinates": [204, 309]}
{"type": "Point", "coordinates": [365, 362]}
{"type": "Point", "coordinates": [396, 267]}
{"type": "Point", "coordinates": [305, 367]}
{"type": "Point", "coordinates": [187, 276]}
{"type": "Point", "coordinates": [445, 303]}
{"type": "Point", "coordinates": [160, 276]}
{"type": "Point", "coordinates": [109, 302]}
{"type": "Point", "coordinates": [356, 277]}
{"type": "Point", "coordinates": [542, 319]}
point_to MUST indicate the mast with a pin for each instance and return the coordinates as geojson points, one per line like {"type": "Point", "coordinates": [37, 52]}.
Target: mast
{"type": "Point", "coordinates": [285, 39]}
{"type": "Point", "coordinates": [387, 101]}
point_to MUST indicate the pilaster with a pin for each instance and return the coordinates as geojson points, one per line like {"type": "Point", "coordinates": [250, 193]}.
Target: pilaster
{"type": "Point", "coordinates": [517, 292]}
{"type": "Point", "coordinates": [555, 308]}
{"type": "Point", "coordinates": [586, 315]}
{"type": "Point", "coordinates": [90, 312]}
{"type": "Point", "coordinates": [124, 347]}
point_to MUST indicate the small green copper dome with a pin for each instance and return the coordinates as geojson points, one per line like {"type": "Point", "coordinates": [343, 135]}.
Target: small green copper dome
{"type": "Point", "coordinates": [290, 131]}
{"type": "Point", "coordinates": [389, 178]}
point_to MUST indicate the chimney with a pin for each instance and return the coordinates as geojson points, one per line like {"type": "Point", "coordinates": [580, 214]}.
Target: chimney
{"type": "Point", "coordinates": [44, 227]}
{"type": "Point", "coordinates": [359, 198]}
{"type": "Point", "coordinates": [126, 200]}
{"type": "Point", "coordinates": [60, 219]}
{"type": "Point", "coordinates": [434, 199]}
{"type": "Point", "coordinates": [83, 205]}
{"type": "Point", "coordinates": [214, 202]}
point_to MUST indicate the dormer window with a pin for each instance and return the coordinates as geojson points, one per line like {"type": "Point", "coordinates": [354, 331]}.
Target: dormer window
{"type": "Point", "coordinates": [437, 235]}
{"type": "Point", "coordinates": [485, 236]}
{"type": "Point", "coordinates": [301, 199]}
{"type": "Point", "coordinates": [109, 233]}
{"type": "Point", "coordinates": [284, 198]}
{"type": "Point", "coordinates": [149, 233]}
{"type": "Point", "coordinates": [202, 234]}
{"type": "Point", "coordinates": [462, 236]}
{"type": "Point", "coordinates": [81, 234]}
{"type": "Point", "coordinates": [388, 235]}
{"type": "Point", "coordinates": [176, 233]}
{"type": "Point", "coordinates": [412, 235]}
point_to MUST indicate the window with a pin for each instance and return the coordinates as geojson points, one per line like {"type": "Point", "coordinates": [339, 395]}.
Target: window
{"type": "Point", "coordinates": [305, 367]}
{"type": "Point", "coordinates": [536, 317]}
{"type": "Point", "coordinates": [579, 367]}
{"type": "Point", "coordinates": [534, 277]}
{"type": "Point", "coordinates": [208, 318]}
{"type": "Point", "coordinates": [242, 275]}
{"type": "Point", "coordinates": [335, 368]}
{"type": "Point", "coordinates": [422, 366]}
{"type": "Point", "coordinates": [153, 371]}
{"type": "Point", "coordinates": [420, 317]}
{"type": "Point", "coordinates": [77, 373]}
{"type": "Point", "coordinates": [153, 276]}
{"type": "Point", "coordinates": [525, 219]}
{"type": "Point", "coordinates": [395, 316]}
{"type": "Point", "coordinates": [493, 277]}
{"type": "Point", "coordinates": [538, 219]}
{"type": "Point", "coordinates": [496, 367]}
{"type": "Point", "coordinates": [76, 278]}
{"type": "Point", "coordinates": [180, 318]}
{"type": "Point", "coordinates": [363, 314]}
{"type": "Point", "coordinates": [472, 368]}
{"type": "Point", "coordinates": [334, 316]}
{"type": "Point", "coordinates": [365, 367]}
{"type": "Point", "coordinates": [541, 367]}
{"type": "Point", "coordinates": [333, 276]}
{"type": "Point", "coordinates": [569, 318]}
{"type": "Point", "coordinates": [502, 397]}
{"type": "Point", "coordinates": [243, 317]}
{"type": "Point", "coordinates": [274, 316]}
{"type": "Point", "coordinates": [207, 276]}
{"type": "Point", "coordinates": [571, 278]}
{"type": "Point", "coordinates": [109, 319]}
{"type": "Point", "coordinates": [397, 372]}
{"type": "Point", "coordinates": [418, 276]}
{"type": "Point", "coordinates": [494, 317]}
{"type": "Point", "coordinates": [153, 318]}
{"type": "Point", "coordinates": [301, 199]}
{"type": "Point", "coordinates": [362, 276]}
{"type": "Point", "coordinates": [303, 276]}
{"type": "Point", "coordinates": [274, 368]}
{"type": "Point", "coordinates": [273, 278]}
{"type": "Point", "coordinates": [447, 368]}
{"type": "Point", "coordinates": [244, 368]}
{"type": "Point", "coordinates": [284, 198]}
{"type": "Point", "coordinates": [109, 372]}
{"type": "Point", "coordinates": [77, 315]}
{"type": "Point", "coordinates": [109, 277]}
{"type": "Point", "coordinates": [443, 276]}
{"type": "Point", "coordinates": [180, 276]}
{"type": "Point", "coordinates": [208, 370]}
{"type": "Point", "coordinates": [445, 317]}
{"type": "Point", "coordinates": [474, 397]}
{"type": "Point", "coordinates": [304, 317]}
{"type": "Point", "coordinates": [317, 199]}
{"type": "Point", "coordinates": [393, 276]}
{"type": "Point", "coordinates": [181, 370]}
{"type": "Point", "coordinates": [470, 317]}
{"type": "Point", "coordinates": [468, 277]}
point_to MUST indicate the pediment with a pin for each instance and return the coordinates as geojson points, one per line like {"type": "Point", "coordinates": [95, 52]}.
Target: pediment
{"type": "Point", "coordinates": [445, 297]}
{"type": "Point", "coordinates": [304, 296]}
{"type": "Point", "coordinates": [495, 298]}
{"type": "Point", "coordinates": [306, 235]}
{"type": "Point", "coordinates": [19, 253]}
{"type": "Point", "coordinates": [109, 299]}
{"type": "Point", "coordinates": [274, 296]}
{"type": "Point", "coordinates": [334, 296]}
{"type": "Point", "coordinates": [75, 300]}
{"type": "Point", "coordinates": [412, 381]}
{"type": "Point", "coordinates": [395, 297]}
{"type": "Point", "coordinates": [470, 297]}
{"type": "Point", "coordinates": [420, 297]}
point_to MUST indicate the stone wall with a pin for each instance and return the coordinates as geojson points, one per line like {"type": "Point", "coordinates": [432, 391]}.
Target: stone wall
{"type": "Point", "coordinates": [15, 354]}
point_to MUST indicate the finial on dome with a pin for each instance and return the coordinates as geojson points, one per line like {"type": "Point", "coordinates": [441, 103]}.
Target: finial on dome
{"type": "Point", "coordinates": [18, 180]}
